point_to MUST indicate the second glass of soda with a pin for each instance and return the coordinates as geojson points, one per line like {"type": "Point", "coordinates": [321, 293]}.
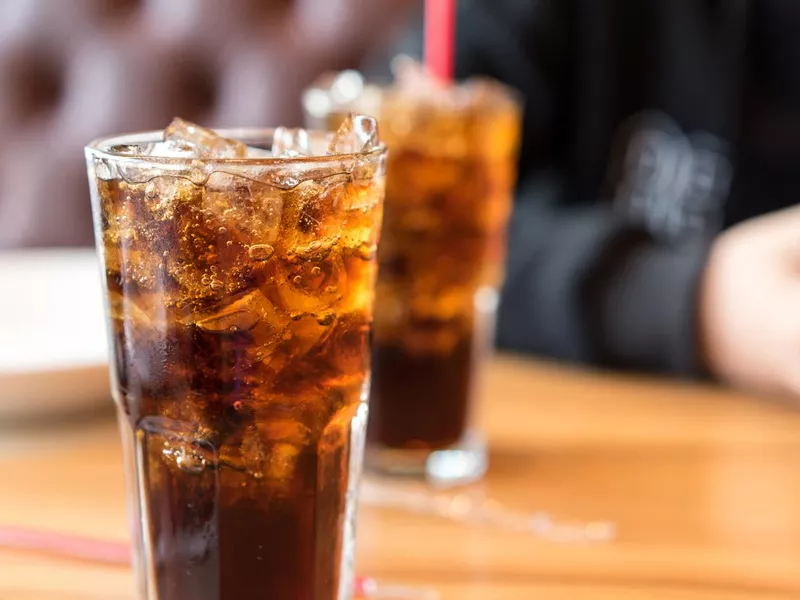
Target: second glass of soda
{"type": "Point", "coordinates": [450, 177]}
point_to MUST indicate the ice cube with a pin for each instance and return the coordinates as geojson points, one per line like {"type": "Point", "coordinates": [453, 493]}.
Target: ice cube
{"type": "Point", "coordinates": [171, 149]}
{"type": "Point", "coordinates": [270, 450]}
{"type": "Point", "coordinates": [487, 92]}
{"type": "Point", "coordinates": [246, 312]}
{"type": "Point", "coordinates": [302, 214]}
{"type": "Point", "coordinates": [255, 152]}
{"type": "Point", "coordinates": [310, 286]}
{"type": "Point", "coordinates": [203, 142]}
{"type": "Point", "coordinates": [357, 133]}
{"type": "Point", "coordinates": [163, 194]}
{"type": "Point", "coordinates": [289, 143]}
{"type": "Point", "coordinates": [267, 210]}
{"type": "Point", "coordinates": [236, 316]}
{"type": "Point", "coordinates": [346, 350]}
{"type": "Point", "coordinates": [304, 333]}
{"type": "Point", "coordinates": [412, 77]}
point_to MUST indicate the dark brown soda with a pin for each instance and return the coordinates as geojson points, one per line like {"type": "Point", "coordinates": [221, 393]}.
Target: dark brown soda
{"type": "Point", "coordinates": [216, 541]}
{"type": "Point", "coordinates": [241, 317]}
{"type": "Point", "coordinates": [419, 401]}
{"type": "Point", "coordinates": [448, 200]}
{"type": "Point", "coordinates": [217, 529]}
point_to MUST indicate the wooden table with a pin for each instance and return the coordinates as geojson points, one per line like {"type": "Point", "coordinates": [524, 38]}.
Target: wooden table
{"type": "Point", "coordinates": [703, 484]}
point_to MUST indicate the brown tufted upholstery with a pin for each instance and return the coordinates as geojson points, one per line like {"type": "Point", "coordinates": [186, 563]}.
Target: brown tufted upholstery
{"type": "Point", "coordinates": [72, 70]}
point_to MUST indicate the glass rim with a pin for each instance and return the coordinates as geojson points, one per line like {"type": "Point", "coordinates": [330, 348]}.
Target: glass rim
{"type": "Point", "coordinates": [385, 86]}
{"type": "Point", "coordinates": [101, 148]}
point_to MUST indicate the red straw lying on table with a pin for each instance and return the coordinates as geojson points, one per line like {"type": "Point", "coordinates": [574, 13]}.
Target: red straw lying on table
{"type": "Point", "coordinates": [71, 546]}
{"type": "Point", "coordinates": [440, 22]}
{"type": "Point", "coordinates": [118, 553]}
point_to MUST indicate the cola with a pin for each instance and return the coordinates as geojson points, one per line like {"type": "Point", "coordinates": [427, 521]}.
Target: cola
{"type": "Point", "coordinates": [240, 283]}
{"type": "Point", "coordinates": [450, 178]}
{"type": "Point", "coordinates": [448, 198]}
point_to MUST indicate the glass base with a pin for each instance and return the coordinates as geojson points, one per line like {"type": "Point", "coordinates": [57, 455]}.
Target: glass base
{"type": "Point", "coordinates": [464, 462]}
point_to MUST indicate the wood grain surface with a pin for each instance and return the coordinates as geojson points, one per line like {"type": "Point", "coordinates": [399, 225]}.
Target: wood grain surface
{"type": "Point", "coordinates": [702, 484]}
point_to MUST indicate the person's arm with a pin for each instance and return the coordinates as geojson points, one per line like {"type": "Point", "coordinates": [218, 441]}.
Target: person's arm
{"type": "Point", "coordinates": [582, 284]}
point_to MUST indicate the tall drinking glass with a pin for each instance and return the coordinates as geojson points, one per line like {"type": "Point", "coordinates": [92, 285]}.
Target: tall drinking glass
{"type": "Point", "coordinates": [239, 288]}
{"type": "Point", "coordinates": [450, 178]}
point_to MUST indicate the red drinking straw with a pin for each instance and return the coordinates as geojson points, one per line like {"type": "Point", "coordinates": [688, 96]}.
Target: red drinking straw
{"type": "Point", "coordinates": [118, 553]}
{"type": "Point", "coordinates": [70, 546]}
{"type": "Point", "coordinates": [440, 21]}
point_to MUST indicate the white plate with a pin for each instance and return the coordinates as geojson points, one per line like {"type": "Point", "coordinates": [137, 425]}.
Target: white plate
{"type": "Point", "coordinates": [53, 355]}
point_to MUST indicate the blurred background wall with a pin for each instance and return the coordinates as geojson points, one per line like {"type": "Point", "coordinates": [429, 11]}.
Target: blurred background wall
{"type": "Point", "coordinates": [73, 70]}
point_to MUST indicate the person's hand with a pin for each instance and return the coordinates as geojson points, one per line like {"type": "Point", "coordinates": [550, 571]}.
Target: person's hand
{"type": "Point", "coordinates": [749, 305]}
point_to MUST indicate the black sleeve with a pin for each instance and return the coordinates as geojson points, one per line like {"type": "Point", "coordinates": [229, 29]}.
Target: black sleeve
{"type": "Point", "coordinates": [582, 284]}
